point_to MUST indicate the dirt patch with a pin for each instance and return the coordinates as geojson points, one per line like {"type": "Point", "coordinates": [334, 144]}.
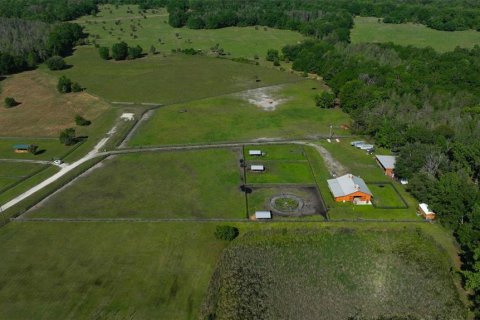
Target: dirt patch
{"type": "Point", "coordinates": [265, 98]}
{"type": "Point", "coordinates": [42, 110]}
{"type": "Point", "coordinates": [332, 164]}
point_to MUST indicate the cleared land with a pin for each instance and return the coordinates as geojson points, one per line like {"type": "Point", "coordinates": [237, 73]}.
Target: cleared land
{"type": "Point", "coordinates": [12, 172]}
{"type": "Point", "coordinates": [105, 270]}
{"type": "Point", "coordinates": [190, 184]}
{"type": "Point", "coordinates": [239, 42]}
{"type": "Point", "coordinates": [384, 195]}
{"type": "Point", "coordinates": [236, 117]}
{"type": "Point", "coordinates": [172, 79]}
{"type": "Point", "coordinates": [47, 149]}
{"type": "Point", "coordinates": [335, 274]}
{"type": "Point", "coordinates": [43, 111]}
{"type": "Point", "coordinates": [368, 29]}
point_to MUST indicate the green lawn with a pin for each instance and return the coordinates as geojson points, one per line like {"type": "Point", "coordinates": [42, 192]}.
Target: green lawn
{"type": "Point", "coordinates": [289, 152]}
{"type": "Point", "coordinates": [11, 172]}
{"type": "Point", "coordinates": [172, 79]}
{"type": "Point", "coordinates": [384, 195]}
{"type": "Point", "coordinates": [48, 149]}
{"type": "Point", "coordinates": [280, 172]}
{"type": "Point", "coordinates": [239, 42]}
{"type": "Point", "coordinates": [189, 184]}
{"type": "Point", "coordinates": [334, 274]}
{"type": "Point", "coordinates": [235, 118]}
{"type": "Point", "coordinates": [105, 270]}
{"type": "Point", "coordinates": [368, 29]}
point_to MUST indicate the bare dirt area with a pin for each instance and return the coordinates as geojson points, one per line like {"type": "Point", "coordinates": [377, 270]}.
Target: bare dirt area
{"type": "Point", "coordinates": [42, 111]}
{"type": "Point", "coordinates": [265, 98]}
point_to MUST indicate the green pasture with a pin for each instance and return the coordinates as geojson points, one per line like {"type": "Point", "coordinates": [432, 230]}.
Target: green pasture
{"type": "Point", "coordinates": [154, 30]}
{"type": "Point", "coordinates": [368, 29]}
{"type": "Point", "coordinates": [11, 172]}
{"type": "Point", "coordinates": [235, 118]}
{"type": "Point", "coordinates": [48, 149]}
{"type": "Point", "coordinates": [165, 80]}
{"type": "Point", "coordinates": [384, 195]}
{"type": "Point", "coordinates": [105, 270]}
{"type": "Point", "coordinates": [335, 274]}
{"type": "Point", "coordinates": [280, 172]}
{"type": "Point", "coordinates": [278, 152]}
{"type": "Point", "coordinates": [184, 184]}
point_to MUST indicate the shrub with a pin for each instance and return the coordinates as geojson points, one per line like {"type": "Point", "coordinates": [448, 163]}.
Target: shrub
{"type": "Point", "coordinates": [56, 63]}
{"type": "Point", "coordinates": [120, 51]}
{"type": "Point", "coordinates": [104, 53]}
{"type": "Point", "coordinates": [226, 233]}
{"type": "Point", "coordinates": [135, 52]}
{"type": "Point", "coordinates": [76, 87]}
{"type": "Point", "coordinates": [81, 121]}
{"type": "Point", "coordinates": [272, 54]}
{"type": "Point", "coordinates": [64, 85]}
{"type": "Point", "coordinates": [10, 102]}
{"type": "Point", "coordinates": [325, 100]}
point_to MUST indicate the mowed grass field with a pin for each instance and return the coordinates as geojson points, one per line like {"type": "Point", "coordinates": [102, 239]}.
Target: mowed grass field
{"type": "Point", "coordinates": [43, 112]}
{"type": "Point", "coordinates": [184, 184]}
{"type": "Point", "coordinates": [333, 274]}
{"type": "Point", "coordinates": [48, 148]}
{"type": "Point", "coordinates": [384, 195]}
{"type": "Point", "coordinates": [368, 29]}
{"type": "Point", "coordinates": [242, 117]}
{"type": "Point", "coordinates": [165, 80]}
{"type": "Point", "coordinates": [105, 270]}
{"type": "Point", "coordinates": [11, 172]}
{"type": "Point", "coordinates": [239, 42]}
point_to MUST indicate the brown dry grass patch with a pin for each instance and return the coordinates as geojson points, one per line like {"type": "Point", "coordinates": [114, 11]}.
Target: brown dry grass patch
{"type": "Point", "coordinates": [42, 110]}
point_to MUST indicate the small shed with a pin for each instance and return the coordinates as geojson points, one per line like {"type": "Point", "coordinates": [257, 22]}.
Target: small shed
{"type": "Point", "coordinates": [127, 116]}
{"type": "Point", "coordinates": [349, 188]}
{"type": "Point", "coordinates": [425, 211]}
{"type": "Point", "coordinates": [255, 152]}
{"type": "Point", "coordinates": [257, 167]}
{"type": "Point", "coordinates": [387, 163]}
{"type": "Point", "coordinates": [21, 148]}
{"type": "Point", "coordinates": [263, 215]}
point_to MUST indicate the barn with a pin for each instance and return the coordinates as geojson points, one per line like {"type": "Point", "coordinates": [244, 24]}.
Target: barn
{"type": "Point", "coordinates": [21, 148]}
{"type": "Point", "coordinates": [349, 188]}
{"type": "Point", "coordinates": [388, 164]}
{"type": "Point", "coordinates": [425, 211]}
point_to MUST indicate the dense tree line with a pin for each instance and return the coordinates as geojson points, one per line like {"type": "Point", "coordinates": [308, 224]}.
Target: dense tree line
{"type": "Point", "coordinates": [24, 44]}
{"type": "Point", "coordinates": [424, 106]}
{"type": "Point", "coordinates": [322, 18]}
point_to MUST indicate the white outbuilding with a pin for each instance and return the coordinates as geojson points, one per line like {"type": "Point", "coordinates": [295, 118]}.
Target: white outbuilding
{"type": "Point", "coordinates": [257, 167]}
{"type": "Point", "coordinates": [263, 215]}
{"type": "Point", "coordinates": [255, 152]}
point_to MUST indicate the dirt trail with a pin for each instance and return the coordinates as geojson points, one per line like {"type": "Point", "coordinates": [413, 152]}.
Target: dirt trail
{"type": "Point", "coordinates": [332, 164]}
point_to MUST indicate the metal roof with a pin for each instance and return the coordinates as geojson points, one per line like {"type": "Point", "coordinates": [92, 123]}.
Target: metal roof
{"type": "Point", "coordinates": [347, 184]}
{"type": "Point", "coordinates": [257, 167]}
{"type": "Point", "coordinates": [21, 146]}
{"type": "Point", "coordinates": [254, 152]}
{"type": "Point", "coordinates": [263, 214]}
{"type": "Point", "coordinates": [425, 208]}
{"type": "Point", "coordinates": [388, 162]}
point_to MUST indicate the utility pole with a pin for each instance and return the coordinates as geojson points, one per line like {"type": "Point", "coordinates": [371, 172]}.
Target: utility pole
{"type": "Point", "coordinates": [331, 131]}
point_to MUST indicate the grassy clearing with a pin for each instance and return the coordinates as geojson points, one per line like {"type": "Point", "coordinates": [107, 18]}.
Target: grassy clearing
{"type": "Point", "coordinates": [47, 148]}
{"type": "Point", "coordinates": [171, 79]}
{"type": "Point", "coordinates": [13, 172]}
{"type": "Point", "coordinates": [384, 195]}
{"type": "Point", "coordinates": [290, 152]}
{"type": "Point", "coordinates": [43, 112]}
{"type": "Point", "coordinates": [234, 118]}
{"type": "Point", "coordinates": [239, 42]}
{"type": "Point", "coordinates": [368, 29]}
{"type": "Point", "coordinates": [105, 270]}
{"type": "Point", "coordinates": [193, 184]}
{"type": "Point", "coordinates": [334, 274]}
{"type": "Point", "coordinates": [280, 172]}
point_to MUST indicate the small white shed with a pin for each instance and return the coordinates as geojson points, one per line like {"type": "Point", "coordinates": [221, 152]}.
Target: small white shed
{"type": "Point", "coordinates": [257, 167]}
{"type": "Point", "coordinates": [255, 152]}
{"type": "Point", "coordinates": [263, 215]}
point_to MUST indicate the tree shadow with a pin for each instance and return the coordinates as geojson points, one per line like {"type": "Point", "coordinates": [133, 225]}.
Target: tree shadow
{"type": "Point", "coordinates": [39, 152]}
